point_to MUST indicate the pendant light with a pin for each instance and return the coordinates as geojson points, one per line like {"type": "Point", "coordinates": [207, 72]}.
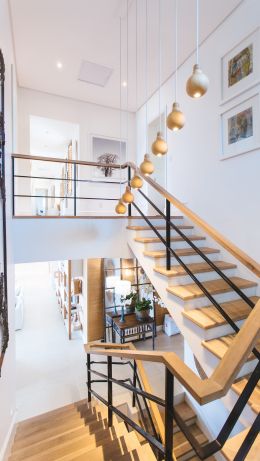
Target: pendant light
{"type": "Point", "coordinates": [146, 166]}
{"type": "Point", "coordinates": [127, 196]}
{"type": "Point", "coordinates": [198, 83]}
{"type": "Point", "coordinates": [136, 182]}
{"type": "Point", "coordinates": [159, 146]}
{"type": "Point", "coordinates": [120, 207]}
{"type": "Point", "coordinates": [176, 118]}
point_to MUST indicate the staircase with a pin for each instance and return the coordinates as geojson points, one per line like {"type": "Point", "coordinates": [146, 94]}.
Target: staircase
{"type": "Point", "coordinates": [204, 328]}
{"type": "Point", "coordinates": [77, 432]}
{"type": "Point", "coordinates": [80, 432]}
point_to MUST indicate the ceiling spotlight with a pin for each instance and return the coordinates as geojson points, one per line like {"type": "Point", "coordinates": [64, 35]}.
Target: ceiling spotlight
{"type": "Point", "coordinates": [124, 83]}
{"type": "Point", "coordinates": [59, 65]}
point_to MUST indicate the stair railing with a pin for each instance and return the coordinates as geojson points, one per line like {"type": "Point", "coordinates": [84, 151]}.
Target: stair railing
{"type": "Point", "coordinates": [204, 391]}
{"type": "Point", "coordinates": [136, 388]}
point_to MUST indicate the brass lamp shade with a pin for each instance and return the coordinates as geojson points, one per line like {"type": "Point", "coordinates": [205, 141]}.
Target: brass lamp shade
{"type": "Point", "coordinates": [159, 146]}
{"type": "Point", "coordinates": [176, 118]}
{"type": "Point", "coordinates": [127, 197]}
{"type": "Point", "coordinates": [198, 83]}
{"type": "Point", "coordinates": [136, 182]}
{"type": "Point", "coordinates": [147, 166]}
{"type": "Point", "coordinates": [120, 207]}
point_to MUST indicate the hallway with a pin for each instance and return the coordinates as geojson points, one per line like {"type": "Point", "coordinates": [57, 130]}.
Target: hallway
{"type": "Point", "coordinates": [50, 369]}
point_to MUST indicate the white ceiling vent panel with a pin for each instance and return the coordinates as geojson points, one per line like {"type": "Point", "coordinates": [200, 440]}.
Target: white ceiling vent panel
{"type": "Point", "coordinates": [94, 73]}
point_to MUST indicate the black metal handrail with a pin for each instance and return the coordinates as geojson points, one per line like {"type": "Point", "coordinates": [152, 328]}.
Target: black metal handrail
{"type": "Point", "coordinates": [200, 253]}
{"type": "Point", "coordinates": [154, 439]}
{"type": "Point", "coordinates": [203, 451]}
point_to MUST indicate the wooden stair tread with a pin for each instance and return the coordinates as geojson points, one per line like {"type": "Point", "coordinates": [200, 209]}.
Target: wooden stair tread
{"type": "Point", "coordinates": [182, 446]}
{"type": "Point", "coordinates": [219, 346]}
{"type": "Point", "coordinates": [178, 270]}
{"type": "Point", "coordinates": [142, 453]}
{"type": "Point", "coordinates": [232, 445]}
{"type": "Point", "coordinates": [254, 400]}
{"type": "Point", "coordinates": [209, 317]}
{"type": "Point", "coordinates": [192, 291]}
{"type": "Point", "coordinates": [154, 217]}
{"type": "Point", "coordinates": [64, 446]}
{"type": "Point", "coordinates": [173, 239]}
{"type": "Point", "coordinates": [145, 228]}
{"type": "Point", "coordinates": [180, 252]}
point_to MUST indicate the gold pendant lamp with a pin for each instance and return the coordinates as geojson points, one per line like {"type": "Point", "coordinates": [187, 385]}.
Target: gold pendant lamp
{"type": "Point", "coordinates": [120, 207]}
{"type": "Point", "coordinates": [147, 166]}
{"type": "Point", "coordinates": [136, 182]}
{"type": "Point", "coordinates": [176, 119]}
{"type": "Point", "coordinates": [198, 83]}
{"type": "Point", "coordinates": [127, 196]}
{"type": "Point", "coordinates": [159, 146]}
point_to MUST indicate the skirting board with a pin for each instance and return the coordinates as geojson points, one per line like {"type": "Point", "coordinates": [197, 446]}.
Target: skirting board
{"type": "Point", "coordinates": [6, 448]}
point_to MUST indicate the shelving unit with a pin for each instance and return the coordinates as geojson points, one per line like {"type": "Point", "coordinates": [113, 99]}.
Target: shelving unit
{"type": "Point", "coordinates": [63, 292]}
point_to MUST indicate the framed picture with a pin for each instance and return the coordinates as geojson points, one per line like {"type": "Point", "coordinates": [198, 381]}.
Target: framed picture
{"type": "Point", "coordinates": [108, 151]}
{"type": "Point", "coordinates": [241, 67]}
{"type": "Point", "coordinates": [240, 128]}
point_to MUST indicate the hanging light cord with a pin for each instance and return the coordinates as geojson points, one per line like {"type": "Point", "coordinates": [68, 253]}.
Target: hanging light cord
{"type": "Point", "coordinates": [120, 86]}
{"type": "Point", "coordinates": [160, 65]}
{"type": "Point", "coordinates": [136, 55]}
{"type": "Point", "coordinates": [176, 49]}
{"type": "Point", "coordinates": [197, 27]}
{"type": "Point", "coordinates": [127, 78]}
{"type": "Point", "coordinates": [146, 73]}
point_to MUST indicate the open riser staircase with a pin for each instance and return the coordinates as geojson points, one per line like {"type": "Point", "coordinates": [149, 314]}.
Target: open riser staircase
{"type": "Point", "coordinates": [206, 331]}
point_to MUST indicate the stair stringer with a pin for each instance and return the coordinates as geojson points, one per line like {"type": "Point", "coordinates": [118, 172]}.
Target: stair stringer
{"type": "Point", "coordinates": [191, 334]}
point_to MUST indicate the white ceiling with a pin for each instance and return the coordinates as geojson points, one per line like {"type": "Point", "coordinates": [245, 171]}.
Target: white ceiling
{"type": "Point", "coordinates": [70, 31]}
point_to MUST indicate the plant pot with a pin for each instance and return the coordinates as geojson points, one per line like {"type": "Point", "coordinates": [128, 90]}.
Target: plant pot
{"type": "Point", "coordinates": [142, 315]}
{"type": "Point", "coordinates": [130, 309]}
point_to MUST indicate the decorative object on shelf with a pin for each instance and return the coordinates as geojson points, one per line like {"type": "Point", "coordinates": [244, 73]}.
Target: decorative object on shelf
{"type": "Point", "coordinates": [147, 166]}
{"type": "Point", "coordinates": [198, 83]}
{"type": "Point", "coordinates": [120, 207]}
{"type": "Point", "coordinates": [142, 308]}
{"type": "Point", "coordinates": [241, 67]}
{"type": "Point", "coordinates": [136, 182]}
{"type": "Point", "coordinates": [77, 286]}
{"type": "Point", "coordinates": [122, 289]}
{"type": "Point", "coordinates": [4, 327]}
{"type": "Point", "coordinates": [176, 119]}
{"type": "Point", "coordinates": [75, 322]}
{"type": "Point", "coordinates": [127, 196]}
{"type": "Point", "coordinates": [240, 133]}
{"type": "Point", "coordinates": [159, 146]}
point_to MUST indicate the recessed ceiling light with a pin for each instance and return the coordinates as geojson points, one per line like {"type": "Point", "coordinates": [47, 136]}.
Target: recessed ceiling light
{"type": "Point", "coordinates": [124, 83]}
{"type": "Point", "coordinates": [59, 64]}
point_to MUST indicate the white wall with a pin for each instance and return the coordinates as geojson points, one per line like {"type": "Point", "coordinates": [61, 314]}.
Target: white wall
{"type": "Point", "coordinates": [224, 193]}
{"type": "Point", "coordinates": [61, 239]}
{"type": "Point", "coordinates": [7, 379]}
{"type": "Point", "coordinates": [92, 120]}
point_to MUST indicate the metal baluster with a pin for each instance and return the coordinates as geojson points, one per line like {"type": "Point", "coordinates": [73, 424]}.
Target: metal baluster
{"type": "Point", "coordinates": [169, 389]}
{"type": "Point", "coordinates": [89, 377]}
{"type": "Point", "coordinates": [109, 391]}
{"type": "Point", "coordinates": [134, 383]}
{"type": "Point", "coordinates": [168, 234]}
{"type": "Point", "coordinates": [75, 189]}
{"type": "Point", "coordinates": [129, 179]}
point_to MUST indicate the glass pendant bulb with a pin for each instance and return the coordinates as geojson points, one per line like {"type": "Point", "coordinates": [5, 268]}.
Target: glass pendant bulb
{"type": "Point", "coordinates": [147, 166]}
{"type": "Point", "coordinates": [120, 207]}
{"type": "Point", "coordinates": [198, 83]}
{"type": "Point", "coordinates": [159, 146]}
{"type": "Point", "coordinates": [136, 182]}
{"type": "Point", "coordinates": [176, 118]}
{"type": "Point", "coordinates": [127, 196]}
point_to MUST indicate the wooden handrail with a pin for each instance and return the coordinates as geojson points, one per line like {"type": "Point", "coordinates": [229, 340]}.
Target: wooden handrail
{"type": "Point", "coordinates": [244, 258]}
{"type": "Point", "coordinates": [204, 391]}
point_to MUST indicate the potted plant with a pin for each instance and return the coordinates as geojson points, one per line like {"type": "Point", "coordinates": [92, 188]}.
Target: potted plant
{"type": "Point", "coordinates": [142, 308]}
{"type": "Point", "coordinates": [130, 302]}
